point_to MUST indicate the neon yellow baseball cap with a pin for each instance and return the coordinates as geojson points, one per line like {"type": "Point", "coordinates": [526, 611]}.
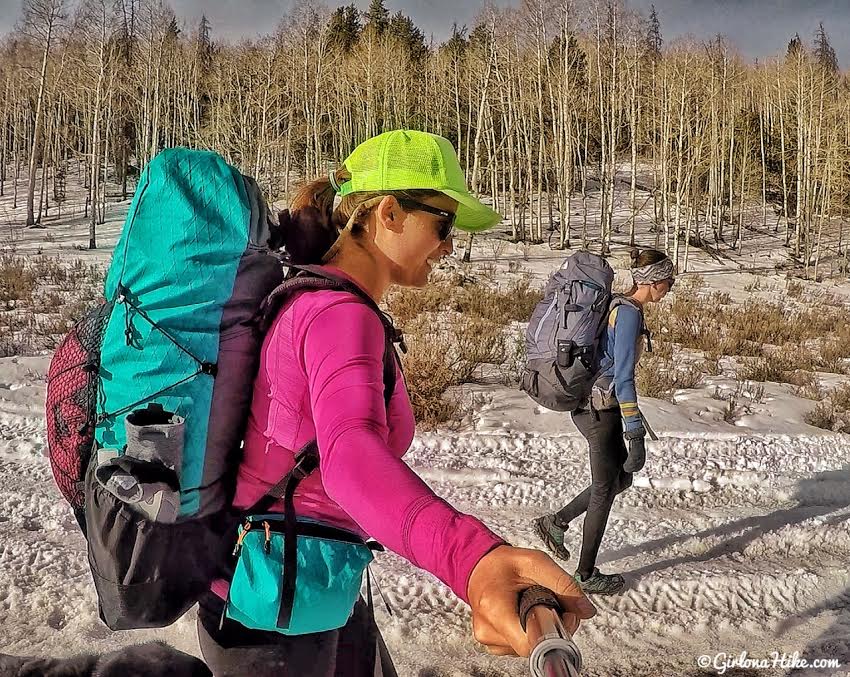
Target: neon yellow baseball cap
{"type": "Point", "coordinates": [410, 160]}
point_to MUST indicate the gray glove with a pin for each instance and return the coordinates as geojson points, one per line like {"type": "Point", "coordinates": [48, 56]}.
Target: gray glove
{"type": "Point", "coordinates": [637, 453]}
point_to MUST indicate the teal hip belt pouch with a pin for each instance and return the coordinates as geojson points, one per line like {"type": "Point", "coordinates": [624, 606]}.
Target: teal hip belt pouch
{"type": "Point", "coordinates": [320, 596]}
{"type": "Point", "coordinates": [294, 576]}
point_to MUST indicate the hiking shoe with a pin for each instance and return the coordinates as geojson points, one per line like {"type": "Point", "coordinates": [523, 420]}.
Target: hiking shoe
{"type": "Point", "coordinates": [601, 584]}
{"type": "Point", "coordinates": [552, 535]}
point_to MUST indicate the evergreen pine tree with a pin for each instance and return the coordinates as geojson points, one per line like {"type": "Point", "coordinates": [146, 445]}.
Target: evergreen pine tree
{"type": "Point", "coordinates": [344, 27]}
{"type": "Point", "coordinates": [653, 35]}
{"type": "Point", "coordinates": [794, 46]}
{"type": "Point", "coordinates": [576, 55]}
{"type": "Point", "coordinates": [402, 29]}
{"type": "Point", "coordinates": [824, 53]}
{"type": "Point", "coordinates": [377, 18]}
{"type": "Point", "coordinates": [456, 45]}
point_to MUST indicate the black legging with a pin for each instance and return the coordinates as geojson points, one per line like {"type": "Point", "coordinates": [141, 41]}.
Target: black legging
{"type": "Point", "coordinates": [603, 431]}
{"type": "Point", "coordinates": [355, 650]}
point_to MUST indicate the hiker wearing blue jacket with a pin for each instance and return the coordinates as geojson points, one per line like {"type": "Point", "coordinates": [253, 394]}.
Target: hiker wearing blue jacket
{"type": "Point", "coordinates": [610, 415]}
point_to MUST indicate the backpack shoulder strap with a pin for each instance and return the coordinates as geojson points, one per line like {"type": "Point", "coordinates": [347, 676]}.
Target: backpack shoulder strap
{"type": "Point", "coordinates": [315, 278]}
{"type": "Point", "coordinates": [623, 300]}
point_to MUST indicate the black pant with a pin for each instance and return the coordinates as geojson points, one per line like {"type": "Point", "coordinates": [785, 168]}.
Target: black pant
{"type": "Point", "coordinates": [355, 650]}
{"type": "Point", "coordinates": [603, 431]}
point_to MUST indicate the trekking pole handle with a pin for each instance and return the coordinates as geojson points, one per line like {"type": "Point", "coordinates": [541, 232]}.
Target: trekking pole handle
{"type": "Point", "coordinates": [553, 652]}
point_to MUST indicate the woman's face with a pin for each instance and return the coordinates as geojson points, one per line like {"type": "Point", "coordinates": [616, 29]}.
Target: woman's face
{"type": "Point", "coordinates": [658, 290]}
{"type": "Point", "coordinates": [411, 236]}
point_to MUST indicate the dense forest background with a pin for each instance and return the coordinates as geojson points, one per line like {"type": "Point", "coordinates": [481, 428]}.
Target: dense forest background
{"type": "Point", "coordinates": [546, 103]}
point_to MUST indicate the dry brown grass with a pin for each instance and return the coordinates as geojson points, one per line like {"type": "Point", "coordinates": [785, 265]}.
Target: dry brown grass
{"type": "Point", "coordinates": [707, 322]}
{"type": "Point", "coordinates": [455, 354]}
{"type": "Point", "coordinates": [833, 412]}
{"type": "Point", "coordinates": [41, 297]}
{"type": "Point", "coordinates": [806, 385]}
{"type": "Point", "coordinates": [477, 342]}
{"type": "Point", "coordinates": [832, 357]}
{"type": "Point", "coordinates": [661, 348]}
{"type": "Point", "coordinates": [406, 304]}
{"type": "Point", "coordinates": [840, 397]}
{"type": "Point", "coordinates": [18, 281]}
{"type": "Point", "coordinates": [711, 364]}
{"type": "Point", "coordinates": [658, 376]}
{"type": "Point", "coordinates": [429, 373]}
{"type": "Point", "coordinates": [513, 304]}
{"type": "Point", "coordinates": [794, 288]}
{"type": "Point", "coordinates": [774, 367]}
{"type": "Point", "coordinates": [470, 298]}
{"type": "Point", "coordinates": [822, 415]}
{"type": "Point", "coordinates": [760, 323]}
{"type": "Point", "coordinates": [652, 380]}
{"type": "Point", "coordinates": [472, 334]}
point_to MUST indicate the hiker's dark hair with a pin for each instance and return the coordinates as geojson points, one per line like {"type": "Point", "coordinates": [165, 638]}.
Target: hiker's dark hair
{"type": "Point", "coordinates": [311, 226]}
{"type": "Point", "coordinates": [646, 257]}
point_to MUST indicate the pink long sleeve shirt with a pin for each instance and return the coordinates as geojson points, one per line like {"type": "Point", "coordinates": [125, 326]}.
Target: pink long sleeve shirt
{"type": "Point", "coordinates": [321, 377]}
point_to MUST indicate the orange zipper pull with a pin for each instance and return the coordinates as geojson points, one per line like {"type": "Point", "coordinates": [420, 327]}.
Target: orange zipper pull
{"type": "Point", "coordinates": [267, 546]}
{"type": "Point", "coordinates": [241, 538]}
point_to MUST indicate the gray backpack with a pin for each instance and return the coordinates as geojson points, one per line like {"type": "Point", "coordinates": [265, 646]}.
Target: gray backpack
{"type": "Point", "coordinates": [563, 334]}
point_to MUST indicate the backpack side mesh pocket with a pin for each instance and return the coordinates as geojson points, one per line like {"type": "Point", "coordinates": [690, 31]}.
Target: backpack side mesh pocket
{"type": "Point", "coordinates": [71, 403]}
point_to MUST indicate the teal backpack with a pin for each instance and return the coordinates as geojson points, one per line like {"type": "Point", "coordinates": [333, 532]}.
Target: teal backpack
{"type": "Point", "coordinates": [148, 395]}
{"type": "Point", "coordinates": [177, 359]}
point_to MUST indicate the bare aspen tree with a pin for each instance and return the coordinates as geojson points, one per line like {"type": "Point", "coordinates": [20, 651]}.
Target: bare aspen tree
{"type": "Point", "coordinates": [782, 151]}
{"type": "Point", "coordinates": [762, 114]}
{"type": "Point", "coordinates": [682, 133]}
{"type": "Point", "coordinates": [607, 17]}
{"type": "Point", "coordinates": [6, 122]}
{"type": "Point", "coordinates": [489, 59]}
{"type": "Point", "coordinates": [799, 62]}
{"type": "Point", "coordinates": [542, 100]}
{"type": "Point", "coordinates": [634, 67]}
{"type": "Point", "coordinates": [564, 82]}
{"type": "Point", "coordinates": [42, 19]}
{"type": "Point", "coordinates": [99, 23]}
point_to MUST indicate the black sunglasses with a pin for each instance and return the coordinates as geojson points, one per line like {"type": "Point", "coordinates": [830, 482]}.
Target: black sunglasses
{"type": "Point", "coordinates": [446, 226]}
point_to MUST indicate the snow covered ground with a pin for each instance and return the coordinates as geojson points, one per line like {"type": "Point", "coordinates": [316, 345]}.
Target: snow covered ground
{"type": "Point", "coordinates": [735, 538]}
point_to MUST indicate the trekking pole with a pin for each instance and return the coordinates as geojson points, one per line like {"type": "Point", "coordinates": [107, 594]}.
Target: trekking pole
{"type": "Point", "coordinates": [649, 429]}
{"type": "Point", "coordinates": [553, 653]}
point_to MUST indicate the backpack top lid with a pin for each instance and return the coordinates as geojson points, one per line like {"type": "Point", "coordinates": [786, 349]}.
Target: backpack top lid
{"type": "Point", "coordinates": [191, 215]}
{"type": "Point", "coordinates": [590, 266]}
{"type": "Point", "coordinates": [583, 279]}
